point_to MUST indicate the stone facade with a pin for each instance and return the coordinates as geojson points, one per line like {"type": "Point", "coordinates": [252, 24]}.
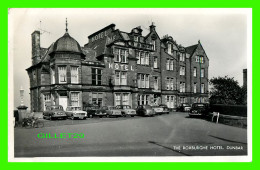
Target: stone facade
{"type": "Point", "coordinates": [117, 67]}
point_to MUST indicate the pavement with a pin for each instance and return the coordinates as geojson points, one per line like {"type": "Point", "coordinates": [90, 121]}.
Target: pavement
{"type": "Point", "coordinates": [174, 134]}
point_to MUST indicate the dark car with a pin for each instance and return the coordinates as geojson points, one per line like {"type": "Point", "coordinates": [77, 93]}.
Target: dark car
{"type": "Point", "coordinates": [199, 109]}
{"type": "Point", "coordinates": [184, 107]}
{"type": "Point", "coordinates": [102, 111]}
{"type": "Point", "coordinates": [145, 110]}
{"type": "Point", "coordinates": [54, 112]}
{"type": "Point", "coordinates": [166, 110]}
{"type": "Point", "coordinates": [91, 109]}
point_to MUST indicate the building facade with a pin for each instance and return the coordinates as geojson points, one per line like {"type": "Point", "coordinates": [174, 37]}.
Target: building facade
{"type": "Point", "coordinates": [117, 67]}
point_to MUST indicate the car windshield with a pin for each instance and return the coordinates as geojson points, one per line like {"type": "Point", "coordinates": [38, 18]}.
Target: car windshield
{"type": "Point", "coordinates": [74, 108]}
{"type": "Point", "coordinates": [105, 107]}
{"type": "Point", "coordinates": [147, 107]}
{"type": "Point", "coordinates": [199, 105]}
{"type": "Point", "coordinates": [111, 108]}
{"type": "Point", "coordinates": [126, 107]}
{"type": "Point", "coordinates": [56, 108]}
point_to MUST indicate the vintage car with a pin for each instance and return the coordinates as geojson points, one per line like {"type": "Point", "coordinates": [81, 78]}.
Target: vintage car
{"type": "Point", "coordinates": [145, 110]}
{"type": "Point", "coordinates": [157, 109]}
{"type": "Point", "coordinates": [109, 111]}
{"type": "Point", "coordinates": [166, 110]}
{"type": "Point", "coordinates": [75, 112]}
{"type": "Point", "coordinates": [91, 109]}
{"type": "Point", "coordinates": [54, 112]}
{"type": "Point", "coordinates": [199, 109]}
{"type": "Point", "coordinates": [126, 110]}
{"type": "Point", "coordinates": [184, 107]}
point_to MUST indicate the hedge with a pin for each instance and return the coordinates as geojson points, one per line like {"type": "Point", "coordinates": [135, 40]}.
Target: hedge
{"type": "Point", "coordinates": [234, 110]}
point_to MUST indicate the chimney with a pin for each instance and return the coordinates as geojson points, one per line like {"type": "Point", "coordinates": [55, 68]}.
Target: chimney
{"type": "Point", "coordinates": [152, 27]}
{"type": "Point", "coordinates": [36, 53]}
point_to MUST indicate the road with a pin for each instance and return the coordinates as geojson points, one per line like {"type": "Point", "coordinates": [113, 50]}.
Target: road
{"type": "Point", "coordinates": [166, 135]}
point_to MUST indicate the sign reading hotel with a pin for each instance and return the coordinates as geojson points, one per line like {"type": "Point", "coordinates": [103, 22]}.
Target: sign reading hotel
{"type": "Point", "coordinates": [122, 67]}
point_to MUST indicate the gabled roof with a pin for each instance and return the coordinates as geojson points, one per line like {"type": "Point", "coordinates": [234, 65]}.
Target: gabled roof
{"type": "Point", "coordinates": [190, 49]}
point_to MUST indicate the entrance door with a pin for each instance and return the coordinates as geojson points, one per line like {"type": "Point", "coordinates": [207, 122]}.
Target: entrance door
{"type": "Point", "coordinates": [63, 101]}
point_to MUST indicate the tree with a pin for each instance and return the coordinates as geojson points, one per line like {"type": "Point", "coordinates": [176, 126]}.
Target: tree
{"type": "Point", "coordinates": [226, 90]}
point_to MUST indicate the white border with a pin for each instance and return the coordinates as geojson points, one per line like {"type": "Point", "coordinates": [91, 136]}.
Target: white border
{"type": "Point", "coordinates": [246, 11]}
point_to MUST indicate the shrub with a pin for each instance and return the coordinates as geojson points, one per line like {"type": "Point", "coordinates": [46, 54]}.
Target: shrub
{"type": "Point", "coordinates": [234, 110]}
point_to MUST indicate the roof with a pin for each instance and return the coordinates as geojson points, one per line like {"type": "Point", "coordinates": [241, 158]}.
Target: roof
{"type": "Point", "coordinates": [190, 49]}
{"type": "Point", "coordinates": [67, 44]}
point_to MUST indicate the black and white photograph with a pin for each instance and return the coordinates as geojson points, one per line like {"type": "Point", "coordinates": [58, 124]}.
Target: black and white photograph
{"type": "Point", "coordinates": [130, 84]}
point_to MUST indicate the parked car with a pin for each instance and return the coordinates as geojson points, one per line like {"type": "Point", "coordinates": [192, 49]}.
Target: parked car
{"type": "Point", "coordinates": [199, 109]}
{"type": "Point", "coordinates": [157, 109]}
{"type": "Point", "coordinates": [54, 112]}
{"type": "Point", "coordinates": [75, 112]}
{"type": "Point", "coordinates": [184, 107]}
{"type": "Point", "coordinates": [166, 110]}
{"type": "Point", "coordinates": [126, 110]}
{"type": "Point", "coordinates": [110, 111]}
{"type": "Point", "coordinates": [91, 109]}
{"type": "Point", "coordinates": [102, 111]}
{"type": "Point", "coordinates": [145, 110]}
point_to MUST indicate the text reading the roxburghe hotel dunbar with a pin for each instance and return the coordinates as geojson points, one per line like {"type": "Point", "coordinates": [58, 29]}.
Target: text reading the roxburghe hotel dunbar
{"type": "Point", "coordinates": [60, 136]}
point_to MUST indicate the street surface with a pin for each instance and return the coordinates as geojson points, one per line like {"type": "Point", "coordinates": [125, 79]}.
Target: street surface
{"type": "Point", "coordinates": [174, 134]}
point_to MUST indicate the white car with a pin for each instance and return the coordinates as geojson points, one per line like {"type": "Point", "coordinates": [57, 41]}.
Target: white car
{"type": "Point", "coordinates": [126, 110]}
{"type": "Point", "coordinates": [75, 112]}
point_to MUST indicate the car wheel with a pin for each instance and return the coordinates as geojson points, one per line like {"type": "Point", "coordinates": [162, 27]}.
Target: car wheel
{"type": "Point", "coordinates": [51, 118]}
{"type": "Point", "coordinates": [72, 118]}
{"type": "Point", "coordinates": [90, 116]}
{"type": "Point", "coordinates": [132, 116]}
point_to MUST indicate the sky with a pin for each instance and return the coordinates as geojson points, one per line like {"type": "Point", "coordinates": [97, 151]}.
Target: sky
{"type": "Point", "coordinates": [223, 34]}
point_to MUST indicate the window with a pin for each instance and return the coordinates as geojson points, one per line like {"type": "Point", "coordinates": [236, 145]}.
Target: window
{"type": "Point", "coordinates": [125, 99]}
{"type": "Point", "coordinates": [195, 88]}
{"type": "Point", "coordinates": [154, 44]}
{"type": "Point", "coordinates": [120, 55]}
{"type": "Point", "coordinates": [155, 62]}
{"type": "Point", "coordinates": [52, 76]}
{"type": "Point", "coordinates": [62, 74]}
{"type": "Point", "coordinates": [169, 48]}
{"type": "Point", "coordinates": [171, 64]}
{"type": "Point", "coordinates": [120, 78]}
{"type": "Point", "coordinates": [136, 38]}
{"type": "Point", "coordinates": [143, 99]}
{"type": "Point", "coordinates": [182, 87]}
{"type": "Point", "coordinates": [138, 53]}
{"type": "Point", "coordinates": [156, 83]}
{"type": "Point", "coordinates": [147, 58]}
{"type": "Point", "coordinates": [74, 99]}
{"type": "Point", "coordinates": [169, 83]}
{"type": "Point", "coordinates": [202, 89]}
{"type": "Point", "coordinates": [142, 57]}
{"type": "Point", "coordinates": [199, 59]}
{"type": "Point", "coordinates": [168, 64]}
{"type": "Point", "coordinates": [97, 98]}
{"type": "Point", "coordinates": [195, 72]}
{"type": "Point", "coordinates": [182, 56]}
{"type": "Point", "coordinates": [74, 74]}
{"type": "Point", "coordinates": [96, 76]}
{"type": "Point", "coordinates": [117, 99]}
{"type": "Point", "coordinates": [122, 99]}
{"type": "Point", "coordinates": [182, 71]}
{"type": "Point", "coordinates": [202, 72]}
{"type": "Point", "coordinates": [147, 81]}
{"type": "Point", "coordinates": [183, 100]}
{"type": "Point", "coordinates": [143, 80]}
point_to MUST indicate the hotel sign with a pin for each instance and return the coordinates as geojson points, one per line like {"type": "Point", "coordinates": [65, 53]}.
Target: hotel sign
{"type": "Point", "coordinates": [123, 67]}
{"type": "Point", "coordinates": [99, 36]}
